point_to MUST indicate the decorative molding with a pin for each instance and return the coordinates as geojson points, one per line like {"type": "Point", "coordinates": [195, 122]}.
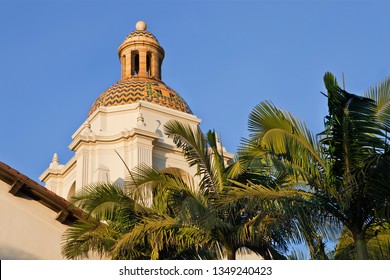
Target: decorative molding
{"type": "Point", "coordinates": [124, 135]}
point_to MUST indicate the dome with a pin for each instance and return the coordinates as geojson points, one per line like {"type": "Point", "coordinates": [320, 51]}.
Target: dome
{"type": "Point", "coordinates": [141, 57]}
{"type": "Point", "coordinates": [140, 89]}
{"type": "Point", "coordinates": [141, 34]}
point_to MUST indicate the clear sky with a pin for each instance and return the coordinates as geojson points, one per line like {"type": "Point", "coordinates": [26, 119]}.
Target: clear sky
{"type": "Point", "coordinates": [223, 57]}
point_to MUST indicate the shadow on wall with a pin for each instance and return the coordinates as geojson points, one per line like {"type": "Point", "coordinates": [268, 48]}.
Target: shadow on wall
{"type": "Point", "coordinates": [10, 253]}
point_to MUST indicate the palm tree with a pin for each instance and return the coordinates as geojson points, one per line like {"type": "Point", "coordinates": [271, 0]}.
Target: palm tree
{"type": "Point", "coordinates": [120, 225]}
{"type": "Point", "coordinates": [184, 219]}
{"type": "Point", "coordinates": [377, 239]}
{"type": "Point", "coordinates": [346, 172]}
{"type": "Point", "coordinates": [270, 183]}
{"type": "Point", "coordinates": [230, 225]}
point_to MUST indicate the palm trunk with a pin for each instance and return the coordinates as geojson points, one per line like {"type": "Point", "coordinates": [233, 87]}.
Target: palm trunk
{"type": "Point", "coordinates": [231, 254]}
{"type": "Point", "coordinates": [360, 246]}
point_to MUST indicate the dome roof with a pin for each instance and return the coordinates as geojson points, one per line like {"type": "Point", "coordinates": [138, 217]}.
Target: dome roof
{"type": "Point", "coordinates": [141, 34]}
{"type": "Point", "coordinates": [141, 58]}
{"type": "Point", "coordinates": [136, 89]}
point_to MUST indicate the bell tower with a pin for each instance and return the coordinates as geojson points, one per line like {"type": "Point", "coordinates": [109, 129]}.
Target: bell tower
{"type": "Point", "coordinates": [141, 55]}
{"type": "Point", "coordinates": [127, 119]}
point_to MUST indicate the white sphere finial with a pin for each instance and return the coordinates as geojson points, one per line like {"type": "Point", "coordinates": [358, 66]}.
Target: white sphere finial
{"type": "Point", "coordinates": [141, 26]}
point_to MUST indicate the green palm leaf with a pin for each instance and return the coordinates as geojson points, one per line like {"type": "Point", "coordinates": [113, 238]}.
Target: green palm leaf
{"type": "Point", "coordinates": [278, 133]}
{"type": "Point", "coordinates": [85, 237]}
{"type": "Point", "coordinates": [380, 93]}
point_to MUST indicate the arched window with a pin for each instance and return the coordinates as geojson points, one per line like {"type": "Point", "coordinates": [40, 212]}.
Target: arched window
{"type": "Point", "coordinates": [159, 68]}
{"type": "Point", "coordinates": [134, 63]}
{"type": "Point", "coordinates": [149, 64]}
{"type": "Point", "coordinates": [72, 192]}
{"type": "Point", "coordinates": [123, 63]}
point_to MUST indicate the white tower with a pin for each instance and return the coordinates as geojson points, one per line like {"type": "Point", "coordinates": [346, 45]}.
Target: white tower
{"type": "Point", "coordinates": [128, 119]}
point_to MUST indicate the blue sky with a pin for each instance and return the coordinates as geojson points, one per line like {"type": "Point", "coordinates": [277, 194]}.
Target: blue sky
{"type": "Point", "coordinates": [223, 57]}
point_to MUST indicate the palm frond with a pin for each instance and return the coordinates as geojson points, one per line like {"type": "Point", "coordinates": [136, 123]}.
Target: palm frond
{"type": "Point", "coordinates": [353, 140]}
{"type": "Point", "coordinates": [102, 200]}
{"type": "Point", "coordinates": [239, 191]}
{"type": "Point", "coordinates": [86, 237]}
{"type": "Point", "coordinates": [380, 93]}
{"type": "Point", "coordinates": [278, 133]}
{"type": "Point", "coordinates": [217, 162]}
{"type": "Point", "coordinates": [195, 150]}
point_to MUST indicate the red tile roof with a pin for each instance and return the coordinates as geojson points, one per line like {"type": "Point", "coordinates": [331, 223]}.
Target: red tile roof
{"type": "Point", "coordinates": [22, 184]}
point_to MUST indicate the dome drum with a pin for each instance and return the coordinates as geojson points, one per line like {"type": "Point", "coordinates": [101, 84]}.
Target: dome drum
{"type": "Point", "coordinates": [141, 54]}
{"type": "Point", "coordinates": [141, 62]}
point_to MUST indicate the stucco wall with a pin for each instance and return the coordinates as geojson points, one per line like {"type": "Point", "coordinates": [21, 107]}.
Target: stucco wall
{"type": "Point", "coordinates": [28, 229]}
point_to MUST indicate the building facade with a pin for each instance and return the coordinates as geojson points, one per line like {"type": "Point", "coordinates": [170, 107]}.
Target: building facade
{"type": "Point", "coordinates": [32, 218]}
{"type": "Point", "coordinates": [126, 121]}
{"type": "Point", "coordinates": [124, 124]}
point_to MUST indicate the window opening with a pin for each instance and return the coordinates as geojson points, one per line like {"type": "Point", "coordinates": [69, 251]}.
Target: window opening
{"type": "Point", "coordinates": [134, 63]}
{"type": "Point", "coordinates": [149, 64]}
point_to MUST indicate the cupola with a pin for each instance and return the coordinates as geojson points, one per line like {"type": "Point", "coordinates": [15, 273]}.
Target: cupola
{"type": "Point", "coordinates": [141, 54]}
{"type": "Point", "coordinates": [141, 57]}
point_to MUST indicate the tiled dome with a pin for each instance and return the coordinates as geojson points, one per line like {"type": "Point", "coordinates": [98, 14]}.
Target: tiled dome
{"type": "Point", "coordinates": [141, 57]}
{"type": "Point", "coordinates": [138, 34]}
{"type": "Point", "coordinates": [136, 89]}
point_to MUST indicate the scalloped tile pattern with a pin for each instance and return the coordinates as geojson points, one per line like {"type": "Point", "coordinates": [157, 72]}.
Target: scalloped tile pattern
{"type": "Point", "coordinates": [141, 33]}
{"type": "Point", "coordinates": [137, 89]}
